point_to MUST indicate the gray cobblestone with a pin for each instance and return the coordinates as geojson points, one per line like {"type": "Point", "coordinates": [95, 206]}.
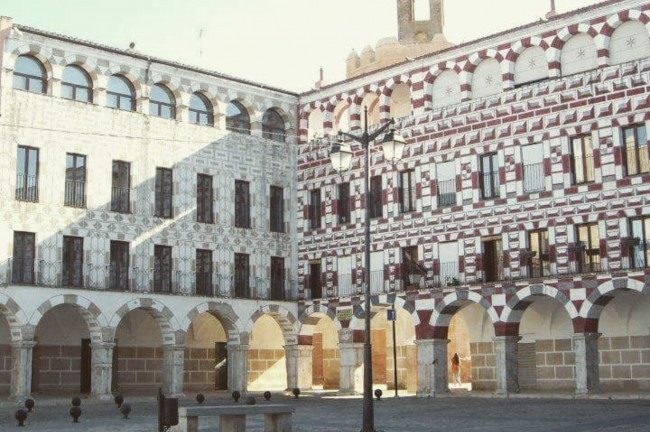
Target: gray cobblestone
{"type": "Point", "coordinates": [455, 413]}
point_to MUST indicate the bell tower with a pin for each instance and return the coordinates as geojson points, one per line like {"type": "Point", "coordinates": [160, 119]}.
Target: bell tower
{"type": "Point", "coordinates": [419, 20]}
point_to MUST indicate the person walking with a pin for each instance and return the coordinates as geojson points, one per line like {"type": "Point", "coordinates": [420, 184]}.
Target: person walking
{"type": "Point", "coordinates": [455, 368]}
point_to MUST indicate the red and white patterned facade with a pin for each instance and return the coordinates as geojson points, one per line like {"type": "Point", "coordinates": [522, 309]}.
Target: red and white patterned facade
{"type": "Point", "coordinates": [584, 73]}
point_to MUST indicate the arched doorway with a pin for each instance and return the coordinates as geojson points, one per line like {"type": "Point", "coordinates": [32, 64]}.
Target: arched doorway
{"type": "Point", "coordinates": [138, 354]}
{"type": "Point", "coordinates": [471, 335]}
{"type": "Point", "coordinates": [545, 355]}
{"type": "Point", "coordinates": [266, 356]}
{"type": "Point", "coordinates": [624, 354]}
{"type": "Point", "coordinates": [205, 365]}
{"type": "Point", "coordinates": [383, 363]}
{"type": "Point", "coordinates": [61, 359]}
{"type": "Point", "coordinates": [326, 362]}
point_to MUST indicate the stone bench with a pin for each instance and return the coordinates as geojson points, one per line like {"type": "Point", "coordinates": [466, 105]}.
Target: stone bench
{"type": "Point", "coordinates": [232, 418]}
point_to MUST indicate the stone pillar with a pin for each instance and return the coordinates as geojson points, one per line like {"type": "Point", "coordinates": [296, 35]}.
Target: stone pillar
{"type": "Point", "coordinates": [585, 346]}
{"type": "Point", "coordinates": [432, 366]}
{"type": "Point", "coordinates": [173, 358]}
{"type": "Point", "coordinates": [102, 369]}
{"type": "Point", "coordinates": [505, 350]}
{"type": "Point", "coordinates": [21, 368]}
{"type": "Point", "coordinates": [237, 367]}
{"type": "Point", "coordinates": [351, 378]}
{"type": "Point", "coordinates": [299, 366]}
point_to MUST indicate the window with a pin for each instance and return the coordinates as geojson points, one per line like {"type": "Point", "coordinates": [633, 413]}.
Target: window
{"type": "Point", "coordinates": [204, 199]}
{"type": "Point", "coordinates": [30, 75]}
{"type": "Point", "coordinates": [533, 168]}
{"type": "Point", "coordinates": [242, 276]}
{"type": "Point", "coordinates": [314, 209]}
{"type": "Point", "coordinates": [273, 126]}
{"type": "Point", "coordinates": [448, 272]}
{"type": "Point", "coordinates": [446, 182]}
{"type": "Point", "coordinates": [162, 102]}
{"type": "Point", "coordinates": [27, 174]}
{"type": "Point", "coordinates": [204, 272]}
{"type": "Point", "coordinates": [75, 180]}
{"type": "Point", "coordinates": [121, 194]}
{"type": "Point", "coordinates": [73, 261]}
{"type": "Point", "coordinates": [76, 84]}
{"type": "Point", "coordinates": [24, 256]}
{"type": "Point", "coordinates": [277, 278]}
{"type": "Point", "coordinates": [489, 176]}
{"type": "Point", "coordinates": [492, 260]}
{"type": "Point", "coordinates": [242, 204]}
{"type": "Point", "coordinates": [582, 160]}
{"type": "Point", "coordinates": [587, 248]}
{"type": "Point", "coordinates": [635, 148]}
{"type": "Point", "coordinates": [277, 209]}
{"type": "Point", "coordinates": [407, 191]}
{"type": "Point", "coordinates": [376, 205]}
{"type": "Point", "coordinates": [120, 93]}
{"type": "Point", "coordinates": [640, 242]}
{"type": "Point", "coordinates": [413, 274]}
{"type": "Point", "coordinates": [536, 259]}
{"type": "Point", "coordinates": [201, 110]}
{"type": "Point", "coordinates": [119, 266]}
{"type": "Point", "coordinates": [344, 203]}
{"type": "Point", "coordinates": [164, 193]}
{"type": "Point", "coordinates": [162, 269]}
{"type": "Point", "coordinates": [315, 287]}
{"type": "Point", "coordinates": [237, 118]}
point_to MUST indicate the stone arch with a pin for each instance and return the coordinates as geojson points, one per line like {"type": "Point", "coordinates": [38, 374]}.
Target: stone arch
{"type": "Point", "coordinates": [172, 333]}
{"type": "Point", "coordinates": [286, 118]}
{"type": "Point", "coordinates": [393, 92]}
{"type": "Point", "coordinates": [308, 322]}
{"type": "Point", "coordinates": [593, 305]}
{"type": "Point", "coordinates": [617, 42]}
{"type": "Point", "coordinates": [564, 35]}
{"type": "Point", "coordinates": [90, 312]}
{"type": "Point", "coordinates": [516, 306]}
{"type": "Point", "coordinates": [283, 317]}
{"type": "Point", "coordinates": [444, 310]}
{"type": "Point", "coordinates": [129, 74]}
{"type": "Point", "coordinates": [15, 317]}
{"type": "Point", "coordinates": [530, 49]}
{"type": "Point", "coordinates": [358, 320]}
{"type": "Point", "coordinates": [173, 84]}
{"type": "Point", "coordinates": [492, 84]}
{"type": "Point", "coordinates": [224, 313]}
{"type": "Point", "coordinates": [437, 94]}
{"type": "Point", "coordinates": [39, 52]}
{"type": "Point", "coordinates": [210, 94]}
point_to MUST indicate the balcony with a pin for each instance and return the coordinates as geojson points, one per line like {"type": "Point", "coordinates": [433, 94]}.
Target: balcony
{"type": "Point", "coordinates": [114, 277]}
{"type": "Point", "coordinates": [27, 187]}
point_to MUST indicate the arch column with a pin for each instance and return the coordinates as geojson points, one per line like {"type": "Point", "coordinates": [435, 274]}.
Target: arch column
{"type": "Point", "coordinates": [102, 369]}
{"type": "Point", "coordinates": [299, 366]}
{"type": "Point", "coordinates": [21, 367]}
{"type": "Point", "coordinates": [351, 377]}
{"type": "Point", "coordinates": [585, 346]}
{"type": "Point", "coordinates": [237, 367]}
{"type": "Point", "coordinates": [432, 366]}
{"type": "Point", "coordinates": [173, 358]}
{"type": "Point", "coordinates": [505, 350]}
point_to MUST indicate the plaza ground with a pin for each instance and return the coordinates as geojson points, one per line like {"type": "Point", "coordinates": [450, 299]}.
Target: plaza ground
{"type": "Point", "coordinates": [479, 413]}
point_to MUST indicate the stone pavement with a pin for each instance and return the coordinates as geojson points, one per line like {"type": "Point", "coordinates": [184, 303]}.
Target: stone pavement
{"type": "Point", "coordinates": [454, 413]}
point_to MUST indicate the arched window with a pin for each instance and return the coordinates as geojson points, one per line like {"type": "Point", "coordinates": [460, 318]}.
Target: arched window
{"type": "Point", "coordinates": [30, 75]}
{"type": "Point", "coordinates": [162, 102]}
{"type": "Point", "coordinates": [76, 84]}
{"type": "Point", "coordinates": [237, 118]}
{"type": "Point", "coordinates": [120, 93]}
{"type": "Point", "coordinates": [200, 110]}
{"type": "Point", "coordinates": [273, 126]}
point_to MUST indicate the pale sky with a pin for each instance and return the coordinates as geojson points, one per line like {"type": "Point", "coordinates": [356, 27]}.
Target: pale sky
{"type": "Point", "coordinates": [276, 42]}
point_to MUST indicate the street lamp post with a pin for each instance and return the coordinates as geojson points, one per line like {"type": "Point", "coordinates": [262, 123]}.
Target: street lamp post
{"type": "Point", "coordinates": [341, 158]}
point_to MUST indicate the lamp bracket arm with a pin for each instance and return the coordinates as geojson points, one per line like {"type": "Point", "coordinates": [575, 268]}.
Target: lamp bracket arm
{"type": "Point", "coordinates": [381, 130]}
